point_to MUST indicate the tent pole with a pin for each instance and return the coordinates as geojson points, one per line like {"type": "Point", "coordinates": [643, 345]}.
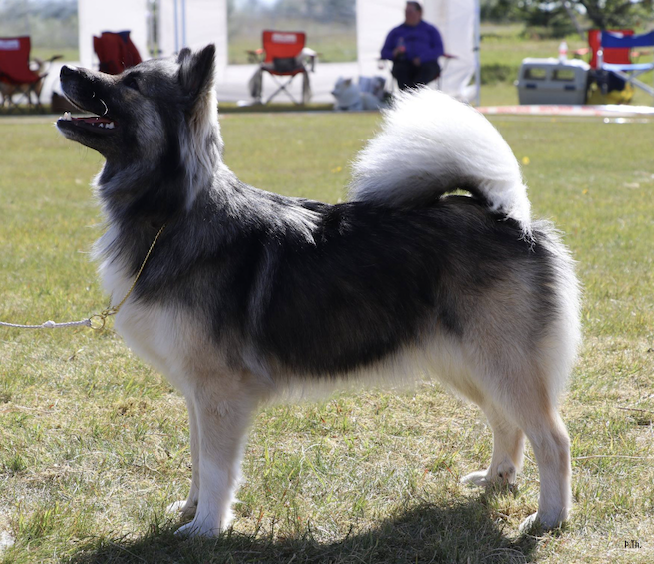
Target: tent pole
{"type": "Point", "coordinates": [175, 28]}
{"type": "Point", "coordinates": [183, 23]}
{"type": "Point", "coordinates": [477, 57]}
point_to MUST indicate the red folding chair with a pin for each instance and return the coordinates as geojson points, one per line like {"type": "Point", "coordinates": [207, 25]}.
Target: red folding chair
{"type": "Point", "coordinates": [282, 52]}
{"type": "Point", "coordinates": [608, 82]}
{"type": "Point", "coordinates": [610, 55]}
{"type": "Point", "coordinates": [16, 77]}
{"type": "Point", "coordinates": [116, 52]}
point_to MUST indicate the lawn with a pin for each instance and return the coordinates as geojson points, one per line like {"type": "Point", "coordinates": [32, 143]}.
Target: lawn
{"type": "Point", "coordinates": [93, 443]}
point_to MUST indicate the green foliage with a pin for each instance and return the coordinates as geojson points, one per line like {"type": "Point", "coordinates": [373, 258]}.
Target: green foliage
{"type": "Point", "coordinates": [552, 22]}
{"type": "Point", "coordinates": [551, 19]}
{"type": "Point", "coordinates": [500, 11]}
{"type": "Point", "coordinates": [494, 73]}
{"type": "Point", "coordinates": [607, 14]}
{"type": "Point", "coordinates": [52, 24]}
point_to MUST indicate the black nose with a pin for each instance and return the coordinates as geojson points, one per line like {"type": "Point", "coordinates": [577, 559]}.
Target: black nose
{"type": "Point", "coordinates": [67, 71]}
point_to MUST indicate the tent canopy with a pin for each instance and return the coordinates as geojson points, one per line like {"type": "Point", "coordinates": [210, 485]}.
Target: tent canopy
{"type": "Point", "coordinates": [194, 23]}
{"type": "Point", "coordinates": [456, 20]}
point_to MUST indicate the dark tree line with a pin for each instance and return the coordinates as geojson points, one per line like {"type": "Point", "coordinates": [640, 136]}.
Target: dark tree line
{"type": "Point", "coordinates": [595, 13]}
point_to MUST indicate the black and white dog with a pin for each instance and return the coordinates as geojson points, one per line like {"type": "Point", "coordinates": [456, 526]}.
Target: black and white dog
{"type": "Point", "coordinates": [248, 294]}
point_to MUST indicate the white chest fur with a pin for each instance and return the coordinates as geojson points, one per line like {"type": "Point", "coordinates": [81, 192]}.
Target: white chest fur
{"type": "Point", "coordinates": [159, 335]}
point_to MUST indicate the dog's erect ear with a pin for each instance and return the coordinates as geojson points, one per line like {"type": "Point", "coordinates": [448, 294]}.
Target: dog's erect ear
{"type": "Point", "coordinates": [196, 71]}
{"type": "Point", "coordinates": [183, 54]}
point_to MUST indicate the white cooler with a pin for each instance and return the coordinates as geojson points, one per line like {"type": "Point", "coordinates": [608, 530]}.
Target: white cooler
{"type": "Point", "coordinates": [551, 81]}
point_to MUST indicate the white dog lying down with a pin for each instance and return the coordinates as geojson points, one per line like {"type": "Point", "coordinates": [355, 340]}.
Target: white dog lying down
{"type": "Point", "coordinates": [350, 97]}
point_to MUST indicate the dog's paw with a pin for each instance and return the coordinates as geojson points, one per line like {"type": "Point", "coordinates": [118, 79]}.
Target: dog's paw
{"type": "Point", "coordinates": [531, 525]}
{"type": "Point", "coordinates": [540, 522]}
{"type": "Point", "coordinates": [176, 506]}
{"type": "Point", "coordinates": [195, 529]}
{"type": "Point", "coordinates": [506, 473]}
{"type": "Point", "coordinates": [182, 508]}
{"type": "Point", "coordinates": [479, 478]}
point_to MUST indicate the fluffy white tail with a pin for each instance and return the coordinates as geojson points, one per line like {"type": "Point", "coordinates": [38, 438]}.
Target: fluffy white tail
{"type": "Point", "coordinates": [431, 144]}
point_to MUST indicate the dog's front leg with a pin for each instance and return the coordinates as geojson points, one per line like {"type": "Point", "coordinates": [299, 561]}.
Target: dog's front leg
{"type": "Point", "coordinates": [187, 507]}
{"type": "Point", "coordinates": [221, 432]}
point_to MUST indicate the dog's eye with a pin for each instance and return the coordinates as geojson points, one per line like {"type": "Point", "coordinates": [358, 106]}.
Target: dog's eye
{"type": "Point", "coordinates": [130, 82]}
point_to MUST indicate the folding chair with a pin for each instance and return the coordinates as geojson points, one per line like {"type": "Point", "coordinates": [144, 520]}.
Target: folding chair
{"type": "Point", "coordinates": [629, 71]}
{"type": "Point", "coordinates": [619, 56]}
{"type": "Point", "coordinates": [16, 77]}
{"type": "Point", "coordinates": [443, 61]}
{"type": "Point", "coordinates": [606, 87]}
{"type": "Point", "coordinates": [116, 51]}
{"type": "Point", "coordinates": [283, 57]}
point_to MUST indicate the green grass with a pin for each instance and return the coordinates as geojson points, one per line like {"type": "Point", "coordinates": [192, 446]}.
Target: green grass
{"type": "Point", "coordinates": [45, 53]}
{"type": "Point", "coordinates": [93, 443]}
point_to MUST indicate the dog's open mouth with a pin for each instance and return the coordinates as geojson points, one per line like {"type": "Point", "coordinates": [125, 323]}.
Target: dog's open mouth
{"type": "Point", "coordinates": [96, 124]}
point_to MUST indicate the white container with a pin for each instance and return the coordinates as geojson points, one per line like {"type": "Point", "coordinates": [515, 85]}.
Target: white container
{"type": "Point", "coordinates": [550, 81]}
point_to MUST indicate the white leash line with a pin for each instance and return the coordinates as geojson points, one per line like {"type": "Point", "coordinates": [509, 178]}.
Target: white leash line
{"type": "Point", "coordinates": [98, 321]}
{"type": "Point", "coordinates": [49, 325]}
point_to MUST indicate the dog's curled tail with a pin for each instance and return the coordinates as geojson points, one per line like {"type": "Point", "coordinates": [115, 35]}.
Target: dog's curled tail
{"type": "Point", "coordinates": [431, 144]}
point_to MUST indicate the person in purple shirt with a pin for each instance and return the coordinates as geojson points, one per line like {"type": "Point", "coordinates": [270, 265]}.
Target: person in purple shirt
{"type": "Point", "coordinates": [414, 48]}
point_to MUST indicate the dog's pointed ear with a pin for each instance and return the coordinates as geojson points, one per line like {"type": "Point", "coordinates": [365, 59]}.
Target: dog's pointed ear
{"type": "Point", "coordinates": [196, 71]}
{"type": "Point", "coordinates": [183, 55]}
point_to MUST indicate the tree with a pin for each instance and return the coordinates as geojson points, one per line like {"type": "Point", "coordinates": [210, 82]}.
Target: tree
{"type": "Point", "coordinates": [602, 14]}
{"type": "Point", "coordinates": [500, 10]}
{"type": "Point", "coordinates": [607, 14]}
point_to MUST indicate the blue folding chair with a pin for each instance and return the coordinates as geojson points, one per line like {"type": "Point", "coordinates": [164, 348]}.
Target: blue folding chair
{"type": "Point", "coordinates": [627, 72]}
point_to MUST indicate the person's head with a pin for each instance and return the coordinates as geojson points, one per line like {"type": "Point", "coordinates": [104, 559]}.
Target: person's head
{"type": "Point", "coordinates": [413, 13]}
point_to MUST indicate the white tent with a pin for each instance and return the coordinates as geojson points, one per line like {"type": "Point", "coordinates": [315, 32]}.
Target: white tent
{"type": "Point", "coordinates": [181, 23]}
{"type": "Point", "coordinates": [456, 20]}
{"type": "Point", "coordinates": [118, 15]}
{"type": "Point", "coordinates": [194, 23]}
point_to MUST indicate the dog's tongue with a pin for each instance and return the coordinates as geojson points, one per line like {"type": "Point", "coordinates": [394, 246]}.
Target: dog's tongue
{"type": "Point", "coordinates": [102, 123]}
{"type": "Point", "coordinates": [93, 120]}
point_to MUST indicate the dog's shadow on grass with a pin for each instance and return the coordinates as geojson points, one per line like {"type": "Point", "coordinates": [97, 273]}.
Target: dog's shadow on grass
{"type": "Point", "coordinates": [465, 532]}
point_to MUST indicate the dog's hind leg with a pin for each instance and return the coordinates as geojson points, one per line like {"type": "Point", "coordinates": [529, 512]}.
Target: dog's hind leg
{"type": "Point", "coordinates": [223, 410]}
{"type": "Point", "coordinates": [187, 507]}
{"type": "Point", "coordinates": [508, 446]}
{"type": "Point", "coordinates": [524, 404]}
{"type": "Point", "coordinates": [549, 439]}
{"type": "Point", "coordinates": [528, 396]}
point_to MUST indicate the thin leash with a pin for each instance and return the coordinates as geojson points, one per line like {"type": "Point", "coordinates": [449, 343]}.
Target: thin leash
{"type": "Point", "coordinates": [99, 320]}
